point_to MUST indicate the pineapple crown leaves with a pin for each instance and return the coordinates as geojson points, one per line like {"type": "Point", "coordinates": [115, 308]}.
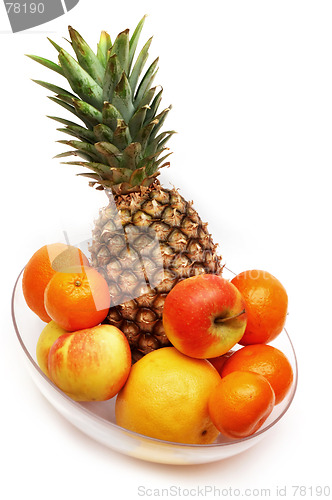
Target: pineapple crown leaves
{"type": "Point", "coordinates": [120, 140]}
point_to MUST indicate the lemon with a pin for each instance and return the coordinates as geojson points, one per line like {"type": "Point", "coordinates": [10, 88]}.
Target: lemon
{"type": "Point", "coordinates": [166, 397]}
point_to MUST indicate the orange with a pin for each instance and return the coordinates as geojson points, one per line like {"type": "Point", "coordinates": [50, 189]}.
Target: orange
{"type": "Point", "coordinates": [166, 397]}
{"type": "Point", "coordinates": [264, 360]}
{"type": "Point", "coordinates": [76, 301]}
{"type": "Point", "coordinates": [39, 270]}
{"type": "Point", "coordinates": [266, 305]}
{"type": "Point", "coordinates": [241, 403]}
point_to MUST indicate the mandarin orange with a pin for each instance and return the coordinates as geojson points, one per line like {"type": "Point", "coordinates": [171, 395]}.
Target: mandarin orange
{"type": "Point", "coordinates": [76, 301]}
{"type": "Point", "coordinates": [266, 305]}
{"type": "Point", "coordinates": [39, 270]}
{"type": "Point", "coordinates": [241, 403]}
{"type": "Point", "coordinates": [265, 360]}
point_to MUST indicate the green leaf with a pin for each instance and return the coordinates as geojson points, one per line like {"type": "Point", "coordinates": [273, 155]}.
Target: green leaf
{"type": "Point", "coordinates": [161, 118]}
{"type": "Point", "coordinates": [121, 49]}
{"type": "Point", "coordinates": [73, 153]}
{"type": "Point", "coordinates": [86, 57]}
{"type": "Point", "coordinates": [134, 41]}
{"type": "Point", "coordinates": [103, 47]}
{"type": "Point", "coordinates": [87, 113]}
{"type": "Point", "coordinates": [166, 139]}
{"type": "Point", "coordinates": [103, 133]}
{"type": "Point", "coordinates": [68, 122]}
{"type": "Point", "coordinates": [110, 115]}
{"type": "Point", "coordinates": [154, 107]}
{"type": "Point", "coordinates": [55, 45]}
{"type": "Point", "coordinates": [120, 175]}
{"type": "Point", "coordinates": [108, 179]}
{"type": "Point", "coordinates": [154, 166]}
{"type": "Point", "coordinates": [112, 77]}
{"type": "Point", "coordinates": [48, 64]}
{"type": "Point", "coordinates": [151, 157]}
{"type": "Point", "coordinates": [68, 107]}
{"type": "Point", "coordinates": [80, 81]}
{"type": "Point", "coordinates": [122, 98]}
{"type": "Point", "coordinates": [138, 176]}
{"type": "Point", "coordinates": [63, 121]}
{"type": "Point", "coordinates": [131, 155]}
{"type": "Point", "coordinates": [111, 153]}
{"type": "Point", "coordinates": [79, 132]}
{"type": "Point", "coordinates": [85, 147]}
{"type": "Point", "coordinates": [54, 88]}
{"type": "Point", "coordinates": [90, 175]}
{"type": "Point", "coordinates": [139, 65]}
{"type": "Point", "coordinates": [147, 98]}
{"type": "Point", "coordinates": [100, 168]}
{"type": "Point", "coordinates": [121, 137]}
{"type": "Point", "coordinates": [144, 134]}
{"type": "Point", "coordinates": [103, 170]}
{"type": "Point", "coordinates": [66, 98]}
{"type": "Point", "coordinates": [147, 80]}
{"type": "Point", "coordinates": [159, 142]}
{"type": "Point", "coordinates": [137, 120]}
{"type": "Point", "coordinates": [149, 180]}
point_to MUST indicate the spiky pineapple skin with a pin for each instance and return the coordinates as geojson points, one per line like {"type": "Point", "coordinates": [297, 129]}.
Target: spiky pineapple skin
{"type": "Point", "coordinates": [178, 246]}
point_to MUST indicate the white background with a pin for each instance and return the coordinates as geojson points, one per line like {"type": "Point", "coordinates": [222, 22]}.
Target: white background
{"type": "Point", "coordinates": [251, 88]}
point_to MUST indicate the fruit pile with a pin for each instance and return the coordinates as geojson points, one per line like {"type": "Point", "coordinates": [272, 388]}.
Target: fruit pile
{"type": "Point", "coordinates": [150, 319]}
{"type": "Point", "coordinates": [188, 392]}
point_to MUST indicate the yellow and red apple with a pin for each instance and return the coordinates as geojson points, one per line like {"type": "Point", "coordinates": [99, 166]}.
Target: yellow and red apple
{"type": "Point", "coordinates": [48, 336]}
{"type": "Point", "coordinates": [91, 364]}
{"type": "Point", "coordinates": [204, 316]}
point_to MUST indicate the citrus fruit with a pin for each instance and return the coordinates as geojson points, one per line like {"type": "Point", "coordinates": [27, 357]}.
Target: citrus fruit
{"type": "Point", "coordinates": [70, 260]}
{"type": "Point", "coordinates": [39, 271]}
{"type": "Point", "coordinates": [166, 397]}
{"type": "Point", "coordinates": [77, 300]}
{"type": "Point", "coordinates": [50, 333]}
{"type": "Point", "coordinates": [266, 305]}
{"type": "Point", "coordinates": [241, 403]}
{"type": "Point", "coordinates": [267, 361]}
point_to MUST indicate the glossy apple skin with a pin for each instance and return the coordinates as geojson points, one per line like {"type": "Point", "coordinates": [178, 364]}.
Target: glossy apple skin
{"type": "Point", "coordinates": [48, 336]}
{"type": "Point", "coordinates": [91, 364]}
{"type": "Point", "coordinates": [190, 311]}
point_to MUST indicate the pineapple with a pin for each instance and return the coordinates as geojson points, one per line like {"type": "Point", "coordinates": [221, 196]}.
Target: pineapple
{"type": "Point", "coordinates": [148, 237]}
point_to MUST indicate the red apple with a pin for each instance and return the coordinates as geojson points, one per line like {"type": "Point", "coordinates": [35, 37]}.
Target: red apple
{"type": "Point", "coordinates": [50, 333]}
{"type": "Point", "coordinates": [91, 364]}
{"type": "Point", "coordinates": [204, 316]}
{"type": "Point", "coordinates": [220, 361]}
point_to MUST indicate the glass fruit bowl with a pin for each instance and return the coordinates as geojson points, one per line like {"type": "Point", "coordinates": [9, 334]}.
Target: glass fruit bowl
{"type": "Point", "coordinates": [97, 419]}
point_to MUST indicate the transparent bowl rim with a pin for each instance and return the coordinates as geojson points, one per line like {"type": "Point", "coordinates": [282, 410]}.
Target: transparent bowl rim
{"type": "Point", "coordinates": [100, 420]}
